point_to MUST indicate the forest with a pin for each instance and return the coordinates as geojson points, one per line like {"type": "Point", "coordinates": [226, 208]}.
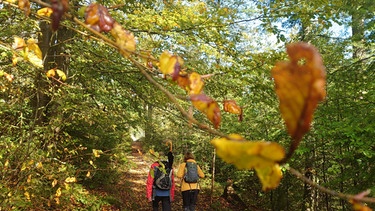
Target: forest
{"type": "Point", "coordinates": [275, 98]}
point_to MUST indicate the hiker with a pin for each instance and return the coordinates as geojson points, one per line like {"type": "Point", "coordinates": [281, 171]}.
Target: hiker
{"type": "Point", "coordinates": [164, 192]}
{"type": "Point", "coordinates": [189, 172]}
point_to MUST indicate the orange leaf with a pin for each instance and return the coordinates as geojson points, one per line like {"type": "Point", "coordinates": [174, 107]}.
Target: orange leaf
{"type": "Point", "coordinates": [357, 206]}
{"type": "Point", "coordinates": [207, 106]}
{"type": "Point", "coordinates": [300, 86]}
{"type": "Point", "coordinates": [183, 80]}
{"type": "Point", "coordinates": [25, 6]}
{"type": "Point", "coordinates": [213, 114]}
{"type": "Point", "coordinates": [232, 107]}
{"type": "Point", "coordinates": [19, 43]}
{"type": "Point", "coordinates": [51, 73]}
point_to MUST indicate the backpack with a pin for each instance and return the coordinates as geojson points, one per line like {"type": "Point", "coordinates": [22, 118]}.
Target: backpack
{"type": "Point", "coordinates": [191, 175]}
{"type": "Point", "coordinates": [163, 176]}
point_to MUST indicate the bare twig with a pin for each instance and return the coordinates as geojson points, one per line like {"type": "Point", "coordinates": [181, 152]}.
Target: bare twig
{"type": "Point", "coordinates": [300, 176]}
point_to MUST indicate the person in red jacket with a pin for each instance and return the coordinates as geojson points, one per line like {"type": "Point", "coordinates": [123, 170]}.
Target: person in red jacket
{"type": "Point", "coordinates": [154, 194]}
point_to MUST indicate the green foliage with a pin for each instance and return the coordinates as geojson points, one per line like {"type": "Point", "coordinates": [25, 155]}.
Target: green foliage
{"type": "Point", "coordinates": [104, 96]}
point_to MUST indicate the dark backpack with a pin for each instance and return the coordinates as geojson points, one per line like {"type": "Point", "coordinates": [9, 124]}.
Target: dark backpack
{"type": "Point", "coordinates": [191, 175]}
{"type": "Point", "coordinates": [163, 176]}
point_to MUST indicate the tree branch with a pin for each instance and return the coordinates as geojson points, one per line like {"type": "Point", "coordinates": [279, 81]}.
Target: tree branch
{"type": "Point", "coordinates": [326, 190]}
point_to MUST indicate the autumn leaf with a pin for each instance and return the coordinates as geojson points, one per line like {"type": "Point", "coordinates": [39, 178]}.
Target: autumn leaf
{"type": "Point", "coordinates": [213, 114]}
{"type": "Point", "coordinates": [70, 180]}
{"type": "Point", "coordinates": [19, 43]}
{"type": "Point", "coordinates": [46, 12]}
{"type": "Point", "coordinates": [357, 206]}
{"type": "Point", "coordinates": [97, 152]}
{"type": "Point", "coordinates": [300, 86]}
{"type": "Point", "coordinates": [61, 74]}
{"type": "Point", "coordinates": [98, 18]}
{"type": "Point", "coordinates": [51, 73]}
{"type": "Point", "coordinates": [183, 80]}
{"type": "Point", "coordinates": [58, 192]}
{"type": "Point", "coordinates": [59, 7]}
{"type": "Point", "coordinates": [25, 6]}
{"type": "Point", "coordinates": [33, 46]}
{"type": "Point", "coordinates": [207, 106]}
{"type": "Point", "coordinates": [124, 39]}
{"type": "Point", "coordinates": [259, 155]}
{"type": "Point", "coordinates": [195, 83]}
{"type": "Point", "coordinates": [34, 60]}
{"type": "Point", "coordinates": [232, 107]}
{"type": "Point", "coordinates": [170, 64]}
{"type": "Point", "coordinates": [9, 77]}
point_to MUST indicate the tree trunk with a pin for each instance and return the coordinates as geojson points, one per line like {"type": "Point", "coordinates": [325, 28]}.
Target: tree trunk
{"type": "Point", "coordinates": [213, 174]}
{"type": "Point", "coordinates": [52, 47]}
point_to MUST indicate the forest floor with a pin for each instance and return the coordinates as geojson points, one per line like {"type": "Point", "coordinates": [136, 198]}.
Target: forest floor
{"type": "Point", "coordinates": [130, 192]}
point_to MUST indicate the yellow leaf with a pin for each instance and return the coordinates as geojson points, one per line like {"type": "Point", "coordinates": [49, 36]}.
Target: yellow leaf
{"type": "Point", "coordinates": [259, 155]}
{"type": "Point", "coordinates": [33, 46]}
{"type": "Point", "coordinates": [196, 83]}
{"type": "Point", "coordinates": [54, 182]}
{"type": "Point", "coordinates": [6, 164]}
{"type": "Point", "coordinates": [70, 180]}
{"type": "Point", "coordinates": [11, 1]}
{"type": "Point", "coordinates": [28, 178]}
{"type": "Point", "coordinates": [92, 163]}
{"type": "Point", "coordinates": [151, 151]}
{"type": "Point", "coordinates": [124, 39]}
{"type": "Point", "coordinates": [88, 174]}
{"type": "Point", "coordinates": [14, 59]}
{"type": "Point", "coordinates": [58, 192]}
{"type": "Point", "coordinates": [19, 43]}
{"type": "Point", "coordinates": [34, 60]}
{"type": "Point", "coordinates": [164, 62]}
{"type": "Point", "coordinates": [39, 165]}
{"type": "Point", "coordinates": [23, 167]}
{"type": "Point", "coordinates": [168, 62]}
{"type": "Point", "coordinates": [61, 74]}
{"type": "Point", "coordinates": [96, 152]}
{"type": "Point", "coordinates": [269, 176]}
{"type": "Point", "coordinates": [46, 12]}
{"type": "Point", "coordinates": [27, 195]}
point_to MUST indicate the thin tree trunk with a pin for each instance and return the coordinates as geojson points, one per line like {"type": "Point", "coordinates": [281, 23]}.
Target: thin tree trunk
{"type": "Point", "coordinates": [213, 174]}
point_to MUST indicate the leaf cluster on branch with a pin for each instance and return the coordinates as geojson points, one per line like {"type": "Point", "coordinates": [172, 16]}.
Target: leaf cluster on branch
{"type": "Point", "coordinates": [300, 85]}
